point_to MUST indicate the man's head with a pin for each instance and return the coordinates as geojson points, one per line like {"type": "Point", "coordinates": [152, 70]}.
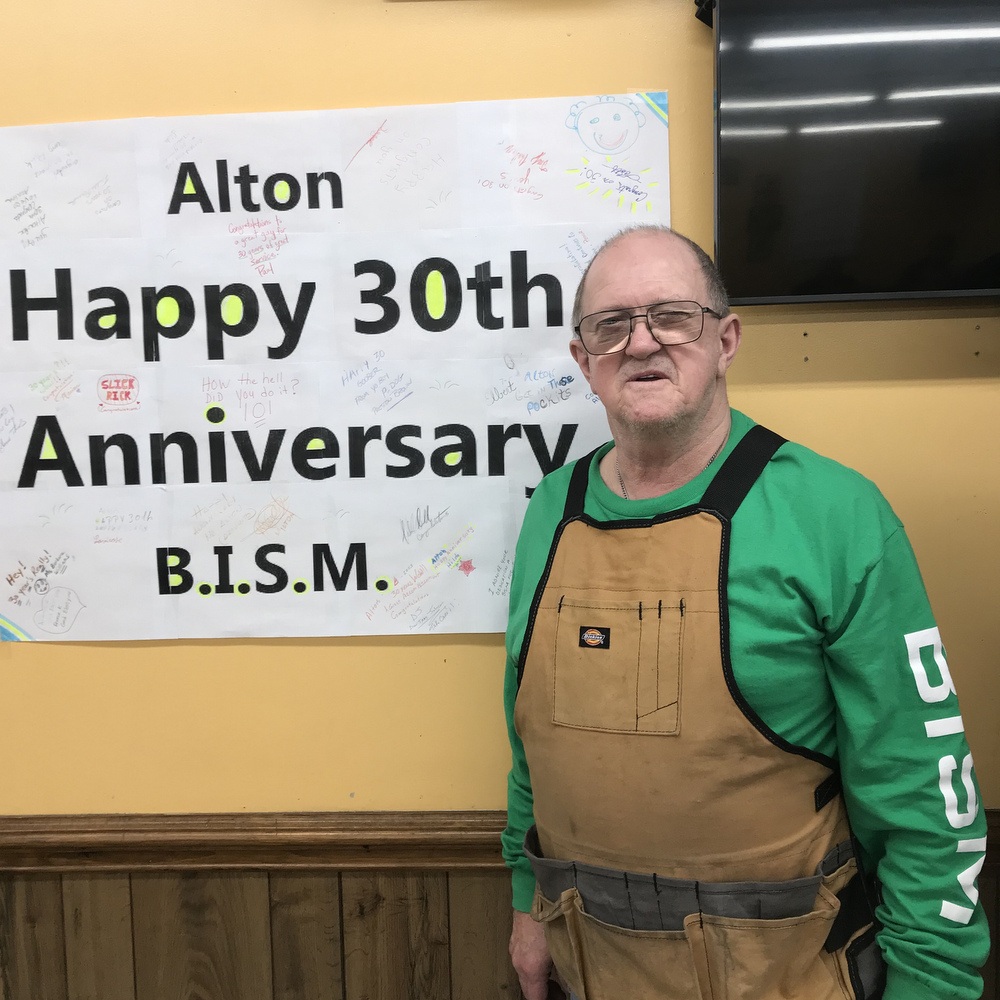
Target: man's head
{"type": "Point", "coordinates": [648, 388]}
{"type": "Point", "coordinates": [716, 295]}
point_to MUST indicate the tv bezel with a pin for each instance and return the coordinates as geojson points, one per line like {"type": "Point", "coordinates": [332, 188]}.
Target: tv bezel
{"type": "Point", "coordinates": [987, 293]}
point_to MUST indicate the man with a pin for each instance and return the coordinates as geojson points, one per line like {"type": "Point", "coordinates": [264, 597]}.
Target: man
{"type": "Point", "coordinates": [739, 768]}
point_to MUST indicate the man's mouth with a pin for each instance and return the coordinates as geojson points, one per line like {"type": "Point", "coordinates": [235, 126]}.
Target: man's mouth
{"type": "Point", "coordinates": [647, 377]}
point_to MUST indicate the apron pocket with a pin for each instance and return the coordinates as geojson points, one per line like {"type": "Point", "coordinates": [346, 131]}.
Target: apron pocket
{"type": "Point", "coordinates": [602, 962]}
{"type": "Point", "coordinates": [769, 959]}
{"type": "Point", "coordinates": [617, 665]}
{"type": "Point", "coordinates": [712, 958]}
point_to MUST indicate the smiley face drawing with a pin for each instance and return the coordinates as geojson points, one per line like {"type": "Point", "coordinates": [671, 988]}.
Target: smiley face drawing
{"type": "Point", "coordinates": [608, 125]}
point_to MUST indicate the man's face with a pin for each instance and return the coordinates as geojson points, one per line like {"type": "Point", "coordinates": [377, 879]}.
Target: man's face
{"type": "Point", "coordinates": [648, 387]}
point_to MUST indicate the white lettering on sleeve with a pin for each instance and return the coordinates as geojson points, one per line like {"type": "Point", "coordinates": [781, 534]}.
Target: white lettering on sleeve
{"type": "Point", "coordinates": [967, 880]}
{"type": "Point", "coordinates": [924, 639]}
{"type": "Point", "coordinates": [945, 727]}
{"type": "Point", "coordinates": [928, 640]}
{"type": "Point", "coordinates": [946, 768]}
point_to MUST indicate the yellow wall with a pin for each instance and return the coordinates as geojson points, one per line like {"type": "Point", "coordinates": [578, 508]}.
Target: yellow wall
{"type": "Point", "coordinates": [909, 395]}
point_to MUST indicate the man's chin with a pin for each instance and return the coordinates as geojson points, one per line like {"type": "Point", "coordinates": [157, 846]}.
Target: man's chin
{"type": "Point", "coordinates": [649, 424]}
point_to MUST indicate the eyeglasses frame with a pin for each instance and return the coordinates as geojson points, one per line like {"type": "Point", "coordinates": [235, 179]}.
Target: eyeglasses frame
{"type": "Point", "coordinates": [642, 312]}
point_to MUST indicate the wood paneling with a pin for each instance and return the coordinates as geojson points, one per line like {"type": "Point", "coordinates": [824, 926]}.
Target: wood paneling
{"type": "Point", "coordinates": [202, 935]}
{"type": "Point", "coordinates": [306, 937]}
{"type": "Point", "coordinates": [396, 936]}
{"type": "Point", "coordinates": [251, 935]}
{"type": "Point", "coordinates": [97, 919]}
{"type": "Point", "coordinates": [32, 952]}
{"type": "Point", "coordinates": [480, 918]}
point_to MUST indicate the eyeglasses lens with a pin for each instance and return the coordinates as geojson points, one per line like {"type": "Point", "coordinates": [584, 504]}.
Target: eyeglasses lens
{"type": "Point", "coordinates": [669, 322]}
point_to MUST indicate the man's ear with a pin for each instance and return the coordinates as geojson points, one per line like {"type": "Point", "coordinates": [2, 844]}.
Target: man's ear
{"type": "Point", "coordinates": [581, 357]}
{"type": "Point", "coordinates": [730, 337]}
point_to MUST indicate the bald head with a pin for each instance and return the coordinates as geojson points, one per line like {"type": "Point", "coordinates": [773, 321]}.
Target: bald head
{"type": "Point", "coordinates": [718, 299]}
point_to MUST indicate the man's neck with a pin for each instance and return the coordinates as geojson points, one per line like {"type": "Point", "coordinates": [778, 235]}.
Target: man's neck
{"type": "Point", "coordinates": [645, 465]}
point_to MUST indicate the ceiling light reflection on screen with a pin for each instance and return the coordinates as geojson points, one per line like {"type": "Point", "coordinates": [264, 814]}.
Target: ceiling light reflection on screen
{"type": "Point", "coordinates": [794, 102]}
{"type": "Point", "coordinates": [978, 91]}
{"type": "Point", "coordinates": [868, 126]}
{"type": "Point", "coordinates": [752, 133]}
{"type": "Point", "coordinates": [887, 36]}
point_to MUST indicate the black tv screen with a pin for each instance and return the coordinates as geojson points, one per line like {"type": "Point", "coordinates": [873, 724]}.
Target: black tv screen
{"type": "Point", "coordinates": [858, 149]}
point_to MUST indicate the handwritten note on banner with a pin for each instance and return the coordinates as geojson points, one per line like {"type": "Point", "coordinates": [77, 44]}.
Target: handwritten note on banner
{"type": "Point", "coordinates": [295, 374]}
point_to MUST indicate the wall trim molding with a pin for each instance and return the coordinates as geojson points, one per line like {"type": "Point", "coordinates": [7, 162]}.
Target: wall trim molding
{"type": "Point", "coordinates": [281, 841]}
{"type": "Point", "coordinates": [446, 840]}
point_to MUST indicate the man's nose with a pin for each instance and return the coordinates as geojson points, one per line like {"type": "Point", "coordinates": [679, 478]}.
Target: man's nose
{"type": "Point", "coordinates": [642, 343]}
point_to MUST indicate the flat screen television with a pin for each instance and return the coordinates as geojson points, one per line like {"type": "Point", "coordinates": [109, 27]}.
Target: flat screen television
{"type": "Point", "coordinates": [858, 149]}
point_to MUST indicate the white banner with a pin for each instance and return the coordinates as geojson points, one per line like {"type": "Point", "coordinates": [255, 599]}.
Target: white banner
{"type": "Point", "coordinates": [295, 374]}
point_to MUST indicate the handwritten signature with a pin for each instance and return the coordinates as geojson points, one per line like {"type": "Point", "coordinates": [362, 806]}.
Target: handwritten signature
{"type": "Point", "coordinates": [369, 142]}
{"type": "Point", "coordinates": [421, 522]}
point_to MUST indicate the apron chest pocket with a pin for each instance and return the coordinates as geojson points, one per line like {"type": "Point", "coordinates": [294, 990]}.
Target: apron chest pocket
{"type": "Point", "coordinates": [618, 665]}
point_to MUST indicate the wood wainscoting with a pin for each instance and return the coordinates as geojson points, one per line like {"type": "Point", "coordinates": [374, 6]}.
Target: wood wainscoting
{"type": "Point", "coordinates": [333, 906]}
{"type": "Point", "coordinates": [337, 906]}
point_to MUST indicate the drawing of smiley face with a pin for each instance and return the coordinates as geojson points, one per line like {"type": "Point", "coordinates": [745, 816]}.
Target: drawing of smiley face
{"type": "Point", "coordinates": [607, 126]}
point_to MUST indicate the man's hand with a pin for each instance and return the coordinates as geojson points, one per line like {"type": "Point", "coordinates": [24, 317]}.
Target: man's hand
{"type": "Point", "coordinates": [530, 957]}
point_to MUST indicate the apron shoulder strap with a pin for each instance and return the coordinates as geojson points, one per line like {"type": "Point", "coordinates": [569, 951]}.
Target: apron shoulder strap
{"type": "Point", "coordinates": [726, 491]}
{"type": "Point", "coordinates": [740, 471]}
{"type": "Point", "coordinates": [578, 486]}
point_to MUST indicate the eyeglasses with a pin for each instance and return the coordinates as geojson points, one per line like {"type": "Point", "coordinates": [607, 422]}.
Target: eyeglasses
{"type": "Point", "coordinates": [670, 323]}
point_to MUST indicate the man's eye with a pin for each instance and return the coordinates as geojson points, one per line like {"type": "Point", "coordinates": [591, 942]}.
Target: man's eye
{"type": "Point", "coordinates": [612, 322]}
{"type": "Point", "coordinates": [667, 317]}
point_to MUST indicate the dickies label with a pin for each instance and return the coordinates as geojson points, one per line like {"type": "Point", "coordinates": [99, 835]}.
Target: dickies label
{"type": "Point", "coordinates": [592, 637]}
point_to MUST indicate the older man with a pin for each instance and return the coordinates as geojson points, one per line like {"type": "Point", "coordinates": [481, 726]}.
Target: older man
{"type": "Point", "coordinates": [739, 768]}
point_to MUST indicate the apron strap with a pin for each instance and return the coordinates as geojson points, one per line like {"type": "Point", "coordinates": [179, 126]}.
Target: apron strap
{"type": "Point", "coordinates": [726, 491]}
{"type": "Point", "coordinates": [740, 471]}
{"type": "Point", "coordinates": [578, 486]}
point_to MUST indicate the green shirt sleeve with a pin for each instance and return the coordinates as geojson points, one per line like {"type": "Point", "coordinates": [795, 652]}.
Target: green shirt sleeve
{"type": "Point", "coordinates": [909, 785]}
{"type": "Point", "coordinates": [540, 522]}
{"type": "Point", "coordinates": [519, 803]}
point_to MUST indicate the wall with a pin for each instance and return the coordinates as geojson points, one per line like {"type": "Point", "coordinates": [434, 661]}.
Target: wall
{"type": "Point", "coordinates": [908, 394]}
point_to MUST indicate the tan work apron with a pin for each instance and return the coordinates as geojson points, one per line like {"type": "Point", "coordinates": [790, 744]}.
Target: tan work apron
{"type": "Point", "coordinates": [645, 757]}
